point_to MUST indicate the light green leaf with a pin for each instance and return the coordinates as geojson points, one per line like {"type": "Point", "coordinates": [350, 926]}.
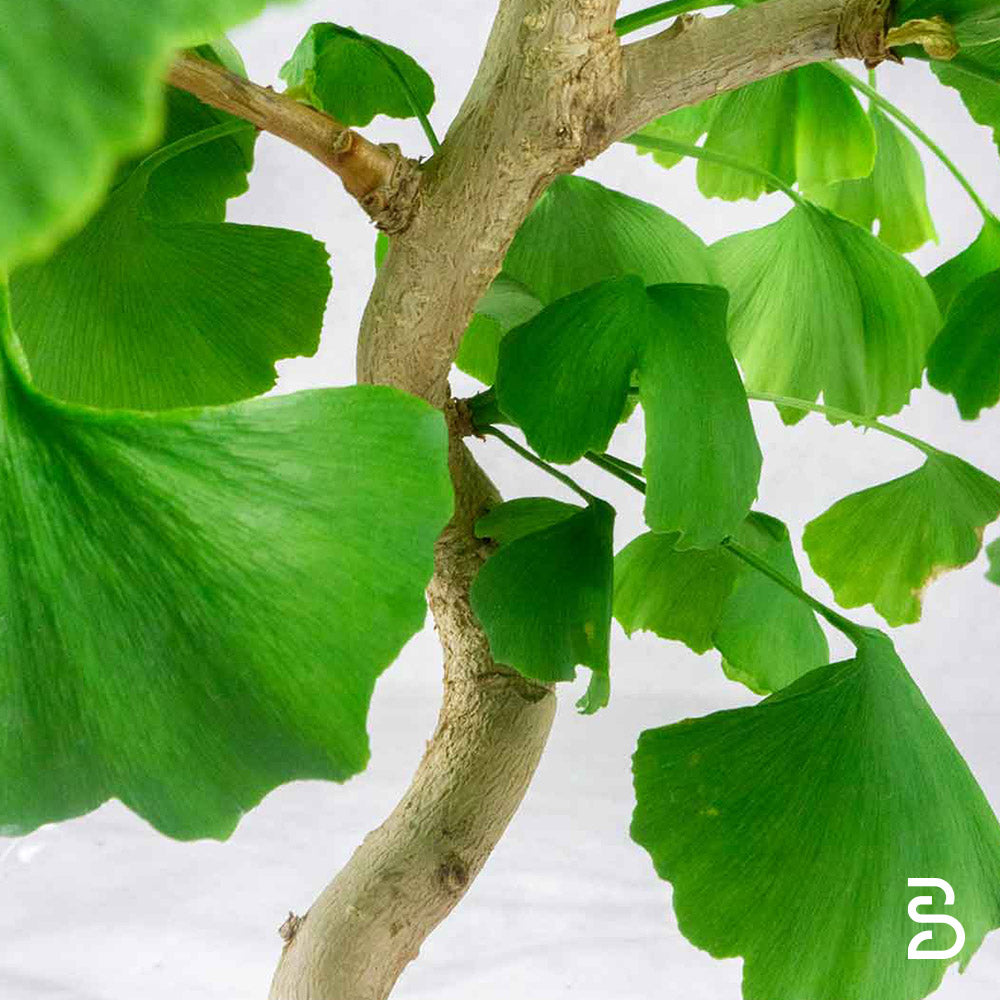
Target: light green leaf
{"type": "Point", "coordinates": [197, 603]}
{"type": "Point", "coordinates": [355, 77]}
{"type": "Point", "coordinates": [565, 553]}
{"type": "Point", "coordinates": [782, 125]}
{"type": "Point", "coordinates": [564, 378]}
{"type": "Point", "coordinates": [143, 312]}
{"type": "Point", "coordinates": [965, 358]}
{"type": "Point", "coordinates": [790, 830]}
{"type": "Point", "coordinates": [993, 551]}
{"type": "Point", "coordinates": [706, 598]}
{"type": "Point", "coordinates": [821, 306]}
{"type": "Point", "coordinates": [505, 305]}
{"type": "Point", "coordinates": [894, 192]}
{"type": "Point", "coordinates": [975, 74]}
{"type": "Point", "coordinates": [581, 232]}
{"type": "Point", "coordinates": [977, 259]}
{"type": "Point", "coordinates": [81, 89]}
{"type": "Point", "coordinates": [686, 125]}
{"type": "Point", "coordinates": [883, 545]}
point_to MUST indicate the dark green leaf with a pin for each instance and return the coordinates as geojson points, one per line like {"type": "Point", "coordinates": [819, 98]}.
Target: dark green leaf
{"type": "Point", "coordinates": [564, 377]}
{"type": "Point", "coordinates": [355, 77]}
{"type": "Point", "coordinates": [564, 553]}
{"type": "Point", "coordinates": [790, 829]}
{"type": "Point", "coordinates": [882, 546]}
{"type": "Point", "coordinates": [707, 597]}
{"type": "Point", "coordinates": [894, 192]}
{"type": "Point", "coordinates": [80, 81]}
{"type": "Point", "coordinates": [820, 306]}
{"type": "Point", "coordinates": [197, 603]}
{"type": "Point", "coordinates": [143, 312]}
{"type": "Point", "coordinates": [977, 259]}
{"type": "Point", "coordinates": [975, 74]}
{"type": "Point", "coordinates": [965, 358]}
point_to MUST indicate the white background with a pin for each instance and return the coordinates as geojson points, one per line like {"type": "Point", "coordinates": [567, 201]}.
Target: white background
{"type": "Point", "coordinates": [103, 908]}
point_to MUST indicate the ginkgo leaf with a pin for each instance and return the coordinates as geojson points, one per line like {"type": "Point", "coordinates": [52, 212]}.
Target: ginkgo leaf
{"type": "Point", "coordinates": [782, 125]}
{"type": "Point", "coordinates": [81, 89]}
{"type": "Point", "coordinates": [564, 378]}
{"type": "Point", "coordinates": [883, 545]}
{"type": "Point", "coordinates": [505, 305]}
{"type": "Point", "coordinates": [975, 74]}
{"type": "Point", "coordinates": [894, 192]}
{"type": "Point", "coordinates": [993, 551]}
{"type": "Point", "coordinates": [821, 306]}
{"type": "Point", "coordinates": [707, 598]}
{"type": "Point", "coordinates": [686, 125]}
{"type": "Point", "coordinates": [355, 77]}
{"type": "Point", "coordinates": [980, 257]}
{"type": "Point", "coordinates": [564, 552]}
{"type": "Point", "coordinates": [965, 358]}
{"type": "Point", "coordinates": [790, 831]}
{"type": "Point", "coordinates": [142, 312]}
{"type": "Point", "coordinates": [581, 232]}
{"type": "Point", "coordinates": [197, 603]}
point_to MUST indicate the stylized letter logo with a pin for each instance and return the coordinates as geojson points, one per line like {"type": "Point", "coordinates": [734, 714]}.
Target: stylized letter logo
{"type": "Point", "coordinates": [933, 918]}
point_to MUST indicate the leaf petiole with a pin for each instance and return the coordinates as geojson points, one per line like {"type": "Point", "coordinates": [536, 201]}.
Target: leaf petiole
{"type": "Point", "coordinates": [530, 456]}
{"type": "Point", "coordinates": [183, 145]}
{"type": "Point", "coordinates": [659, 12]}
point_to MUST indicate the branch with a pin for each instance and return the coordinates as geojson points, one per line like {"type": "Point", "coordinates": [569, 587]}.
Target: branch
{"type": "Point", "coordinates": [698, 57]}
{"type": "Point", "coordinates": [382, 180]}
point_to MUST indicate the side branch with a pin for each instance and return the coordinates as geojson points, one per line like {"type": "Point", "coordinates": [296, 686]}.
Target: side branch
{"type": "Point", "coordinates": [381, 180]}
{"type": "Point", "coordinates": [698, 57]}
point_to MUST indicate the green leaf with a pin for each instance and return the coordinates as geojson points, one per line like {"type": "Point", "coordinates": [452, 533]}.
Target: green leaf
{"type": "Point", "coordinates": [782, 125]}
{"type": "Point", "coordinates": [790, 830]}
{"type": "Point", "coordinates": [975, 74]}
{"type": "Point", "coordinates": [977, 259]}
{"type": "Point", "coordinates": [505, 305]}
{"type": "Point", "coordinates": [883, 545]}
{"type": "Point", "coordinates": [821, 306]}
{"type": "Point", "coordinates": [993, 551]}
{"type": "Point", "coordinates": [965, 358]}
{"type": "Point", "coordinates": [197, 603]}
{"type": "Point", "coordinates": [142, 312]}
{"type": "Point", "coordinates": [686, 125]}
{"type": "Point", "coordinates": [581, 232]}
{"type": "Point", "coordinates": [564, 552]}
{"type": "Point", "coordinates": [355, 77]}
{"type": "Point", "coordinates": [707, 598]}
{"type": "Point", "coordinates": [564, 378]}
{"type": "Point", "coordinates": [894, 192]}
{"type": "Point", "coordinates": [81, 89]}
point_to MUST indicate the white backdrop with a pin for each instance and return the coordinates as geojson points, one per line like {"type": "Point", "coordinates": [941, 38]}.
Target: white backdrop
{"type": "Point", "coordinates": [103, 908]}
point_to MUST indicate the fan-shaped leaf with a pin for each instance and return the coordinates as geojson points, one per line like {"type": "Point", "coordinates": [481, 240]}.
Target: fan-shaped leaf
{"type": "Point", "coordinates": [80, 86]}
{"type": "Point", "coordinates": [146, 312]}
{"type": "Point", "coordinates": [975, 74]}
{"type": "Point", "coordinates": [821, 306]}
{"type": "Point", "coordinates": [686, 125]}
{"type": "Point", "coordinates": [980, 257]}
{"type": "Point", "coordinates": [790, 830]}
{"type": "Point", "coordinates": [355, 77]}
{"type": "Point", "coordinates": [882, 546]}
{"type": "Point", "coordinates": [564, 377]}
{"type": "Point", "coordinates": [197, 603]}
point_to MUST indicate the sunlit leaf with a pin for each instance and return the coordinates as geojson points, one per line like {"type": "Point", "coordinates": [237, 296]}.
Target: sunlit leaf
{"type": "Point", "coordinates": [981, 257]}
{"type": "Point", "coordinates": [197, 603]}
{"type": "Point", "coordinates": [894, 193]}
{"type": "Point", "coordinates": [564, 378]}
{"type": "Point", "coordinates": [790, 830]}
{"type": "Point", "coordinates": [686, 125]}
{"type": "Point", "coordinates": [355, 77]}
{"type": "Point", "coordinates": [883, 545]}
{"type": "Point", "coordinates": [821, 306]}
{"type": "Point", "coordinates": [563, 552]}
{"type": "Point", "coordinates": [975, 74]}
{"type": "Point", "coordinates": [80, 86]}
{"type": "Point", "coordinates": [144, 311]}
{"type": "Point", "coordinates": [708, 598]}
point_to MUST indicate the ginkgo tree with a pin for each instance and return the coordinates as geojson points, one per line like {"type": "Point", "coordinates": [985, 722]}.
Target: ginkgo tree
{"type": "Point", "coordinates": [199, 588]}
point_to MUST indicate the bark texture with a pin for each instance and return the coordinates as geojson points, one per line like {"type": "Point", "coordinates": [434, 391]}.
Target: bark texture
{"type": "Point", "coordinates": [554, 88]}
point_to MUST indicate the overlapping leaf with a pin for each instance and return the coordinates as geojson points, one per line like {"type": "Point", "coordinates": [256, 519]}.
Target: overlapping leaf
{"type": "Point", "coordinates": [564, 378]}
{"type": "Point", "coordinates": [707, 598]}
{"type": "Point", "coordinates": [150, 307]}
{"type": "Point", "coordinates": [975, 74]}
{"type": "Point", "coordinates": [790, 829]}
{"type": "Point", "coordinates": [883, 545]}
{"type": "Point", "coordinates": [80, 89]}
{"type": "Point", "coordinates": [355, 77]}
{"type": "Point", "coordinates": [563, 552]}
{"type": "Point", "coordinates": [979, 258]}
{"type": "Point", "coordinates": [821, 306]}
{"type": "Point", "coordinates": [894, 193]}
{"type": "Point", "coordinates": [197, 603]}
